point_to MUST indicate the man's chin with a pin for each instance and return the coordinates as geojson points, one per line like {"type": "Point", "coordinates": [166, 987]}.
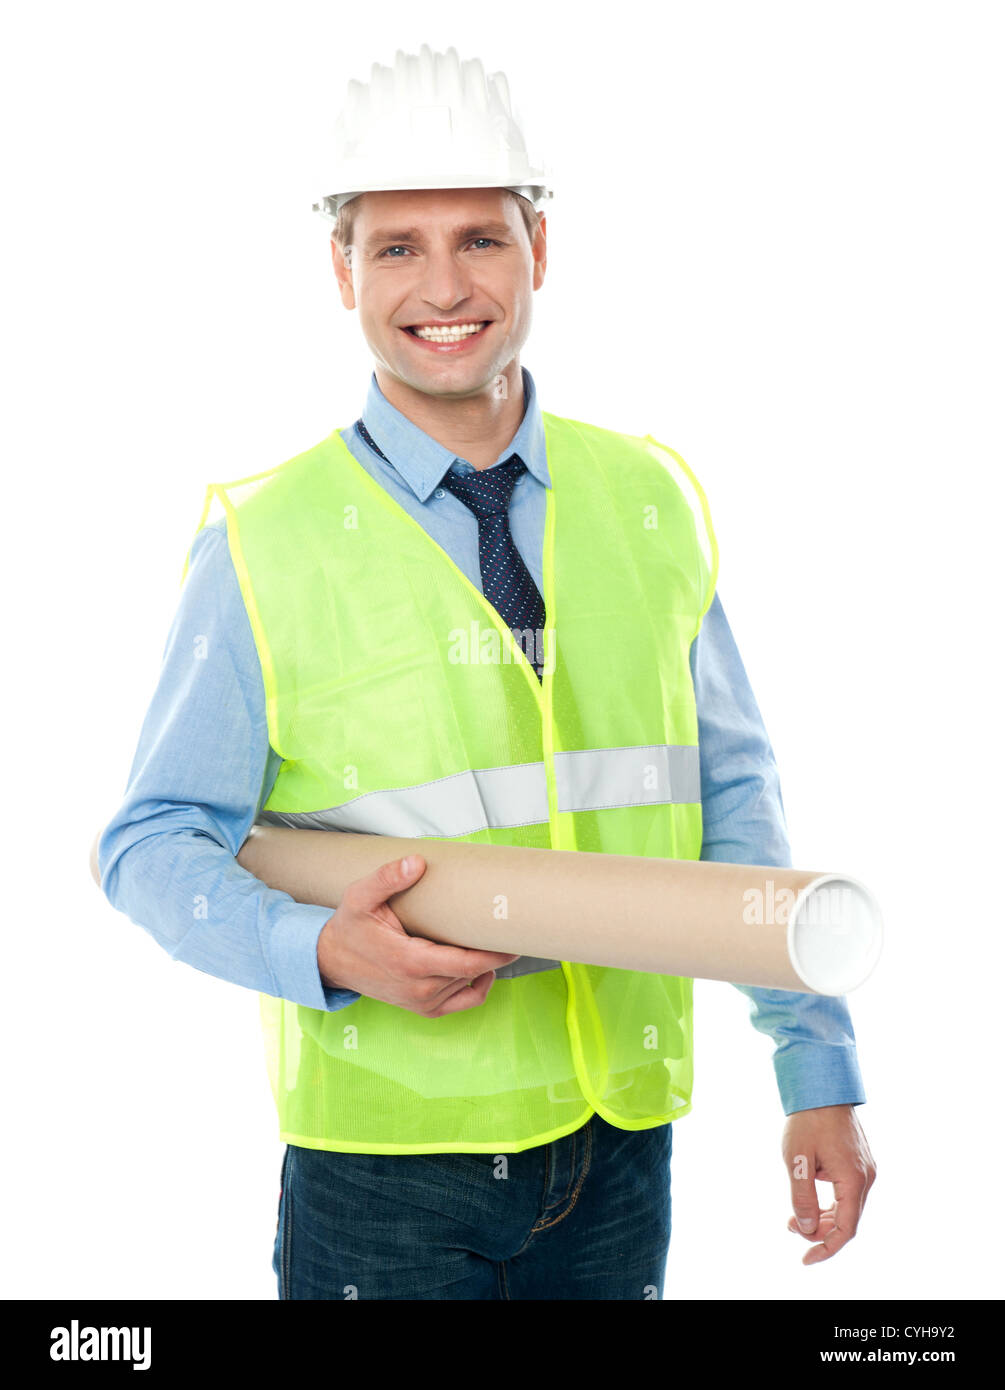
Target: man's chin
{"type": "Point", "coordinates": [446, 379]}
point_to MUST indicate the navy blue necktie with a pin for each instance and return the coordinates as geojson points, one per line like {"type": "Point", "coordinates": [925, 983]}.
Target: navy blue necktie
{"type": "Point", "coordinates": [506, 580]}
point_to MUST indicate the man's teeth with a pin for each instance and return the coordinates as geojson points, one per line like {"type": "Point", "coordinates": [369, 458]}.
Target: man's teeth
{"type": "Point", "coordinates": [448, 335]}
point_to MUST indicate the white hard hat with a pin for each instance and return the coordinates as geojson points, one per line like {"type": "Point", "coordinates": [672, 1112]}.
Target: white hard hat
{"type": "Point", "coordinates": [431, 121]}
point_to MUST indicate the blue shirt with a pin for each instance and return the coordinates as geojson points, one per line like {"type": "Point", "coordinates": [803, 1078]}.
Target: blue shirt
{"type": "Point", "coordinates": [204, 767]}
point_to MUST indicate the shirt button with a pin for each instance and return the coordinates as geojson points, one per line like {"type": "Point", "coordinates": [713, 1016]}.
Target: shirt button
{"type": "Point", "coordinates": [440, 492]}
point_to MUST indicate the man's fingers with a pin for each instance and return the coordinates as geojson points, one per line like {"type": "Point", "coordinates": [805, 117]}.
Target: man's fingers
{"type": "Point", "coordinates": [465, 994]}
{"type": "Point", "coordinates": [845, 1213]}
{"type": "Point", "coordinates": [456, 962]}
{"type": "Point", "coordinates": [802, 1179]}
{"type": "Point", "coordinates": [826, 1144]}
{"type": "Point", "coordinates": [824, 1227]}
{"type": "Point", "coordinates": [373, 890]}
{"type": "Point", "coordinates": [437, 990]}
{"type": "Point", "coordinates": [368, 894]}
{"type": "Point", "coordinates": [832, 1242]}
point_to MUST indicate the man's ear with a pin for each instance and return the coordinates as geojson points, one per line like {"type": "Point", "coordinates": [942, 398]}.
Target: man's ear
{"type": "Point", "coordinates": [341, 263]}
{"type": "Point", "coordinates": [540, 252]}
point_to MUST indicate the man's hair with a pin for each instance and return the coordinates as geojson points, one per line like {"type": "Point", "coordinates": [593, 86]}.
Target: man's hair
{"type": "Point", "coordinates": [341, 232]}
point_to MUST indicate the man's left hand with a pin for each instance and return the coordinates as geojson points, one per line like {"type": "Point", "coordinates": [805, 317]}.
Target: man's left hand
{"type": "Point", "coordinates": [827, 1143]}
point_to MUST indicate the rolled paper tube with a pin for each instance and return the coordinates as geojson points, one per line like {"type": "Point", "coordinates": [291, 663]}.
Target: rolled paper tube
{"type": "Point", "coordinates": [792, 929]}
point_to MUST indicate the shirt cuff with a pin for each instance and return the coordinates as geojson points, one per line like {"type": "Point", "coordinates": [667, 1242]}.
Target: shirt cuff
{"type": "Point", "coordinates": [293, 956]}
{"type": "Point", "coordinates": [812, 1074]}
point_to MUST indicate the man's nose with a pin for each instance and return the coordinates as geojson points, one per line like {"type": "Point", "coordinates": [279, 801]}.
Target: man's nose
{"type": "Point", "coordinates": [445, 282]}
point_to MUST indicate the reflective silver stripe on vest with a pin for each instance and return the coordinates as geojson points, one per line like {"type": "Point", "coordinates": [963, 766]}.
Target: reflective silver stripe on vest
{"type": "Point", "coordinates": [489, 798]}
{"type": "Point", "coordinates": [601, 778]}
{"type": "Point", "coordinates": [498, 798]}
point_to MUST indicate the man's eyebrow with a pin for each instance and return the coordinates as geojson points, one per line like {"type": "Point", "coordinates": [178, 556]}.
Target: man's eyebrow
{"type": "Point", "coordinates": [392, 235]}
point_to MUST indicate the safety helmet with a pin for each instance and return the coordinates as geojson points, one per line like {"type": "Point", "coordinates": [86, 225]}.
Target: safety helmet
{"type": "Point", "coordinates": [430, 121]}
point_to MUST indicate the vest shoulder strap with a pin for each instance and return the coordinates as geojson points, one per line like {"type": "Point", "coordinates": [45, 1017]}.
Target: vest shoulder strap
{"type": "Point", "coordinates": [648, 454]}
{"type": "Point", "coordinates": [267, 486]}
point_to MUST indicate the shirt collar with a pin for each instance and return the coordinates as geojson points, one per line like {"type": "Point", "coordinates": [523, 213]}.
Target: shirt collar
{"type": "Point", "coordinates": [421, 461]}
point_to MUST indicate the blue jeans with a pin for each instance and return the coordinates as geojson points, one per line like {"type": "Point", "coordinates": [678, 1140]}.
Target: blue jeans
{"type": "Point", "coordinates": [586, 1216]}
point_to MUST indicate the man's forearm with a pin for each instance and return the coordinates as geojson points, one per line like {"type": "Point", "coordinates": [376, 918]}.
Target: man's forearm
{"type": "Point", "coordinates": [815, 1057]}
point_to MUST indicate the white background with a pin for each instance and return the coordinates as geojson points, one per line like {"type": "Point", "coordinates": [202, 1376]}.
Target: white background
{"type": "Point", "coordinates": [776, 246]}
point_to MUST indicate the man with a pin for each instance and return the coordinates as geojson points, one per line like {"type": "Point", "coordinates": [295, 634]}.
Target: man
{"type": "Point", "coordinates": [460, 1123]}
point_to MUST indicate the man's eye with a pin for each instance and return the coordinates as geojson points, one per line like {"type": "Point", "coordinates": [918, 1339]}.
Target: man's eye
{"type": "Point", "coordinates": [386, 252]}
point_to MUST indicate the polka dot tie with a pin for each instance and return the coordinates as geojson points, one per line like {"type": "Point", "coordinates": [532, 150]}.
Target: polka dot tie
{"type": "Point", "coordinates": [506, 581]}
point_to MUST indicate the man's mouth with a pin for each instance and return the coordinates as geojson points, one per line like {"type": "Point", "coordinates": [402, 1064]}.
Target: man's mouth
{"type": "Point", "coordinates": [450, 335]}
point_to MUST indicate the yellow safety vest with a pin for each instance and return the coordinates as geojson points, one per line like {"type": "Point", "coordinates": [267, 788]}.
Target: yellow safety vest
{"type": "Point", "coordinates": [401, 704]}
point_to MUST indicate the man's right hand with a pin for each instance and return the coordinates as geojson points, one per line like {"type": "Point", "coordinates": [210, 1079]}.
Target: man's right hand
{"type": "Point", "coordinates": [364, 947]}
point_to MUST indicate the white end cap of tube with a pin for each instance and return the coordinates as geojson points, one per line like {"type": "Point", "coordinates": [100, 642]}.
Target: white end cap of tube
{"type": "Point", "coordinates": [835, 934]}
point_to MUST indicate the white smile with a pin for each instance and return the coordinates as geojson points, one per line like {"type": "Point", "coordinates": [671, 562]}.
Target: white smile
{"type": "Point", "coordinates": [454, 333]}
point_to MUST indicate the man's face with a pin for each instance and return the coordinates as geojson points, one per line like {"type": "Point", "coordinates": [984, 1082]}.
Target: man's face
{"type": "Point", "coordinates": [457, 256]}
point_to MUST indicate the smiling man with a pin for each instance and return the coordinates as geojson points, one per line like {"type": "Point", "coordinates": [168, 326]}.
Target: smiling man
{"type": "Point", "coordinates": [480, 254]}
{"type": "Point", "coordinates": [464, 1124]}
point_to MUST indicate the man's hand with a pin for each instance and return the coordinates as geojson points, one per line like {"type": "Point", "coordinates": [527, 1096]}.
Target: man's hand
{"type": "Point", "coordinates": [827, 1143]}
{"type": "Point", "coordinates": [364, 947]}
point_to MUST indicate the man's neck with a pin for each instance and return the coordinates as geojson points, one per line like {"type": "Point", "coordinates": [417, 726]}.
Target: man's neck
{"type": "Point", "coordinates": [474, 428]}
